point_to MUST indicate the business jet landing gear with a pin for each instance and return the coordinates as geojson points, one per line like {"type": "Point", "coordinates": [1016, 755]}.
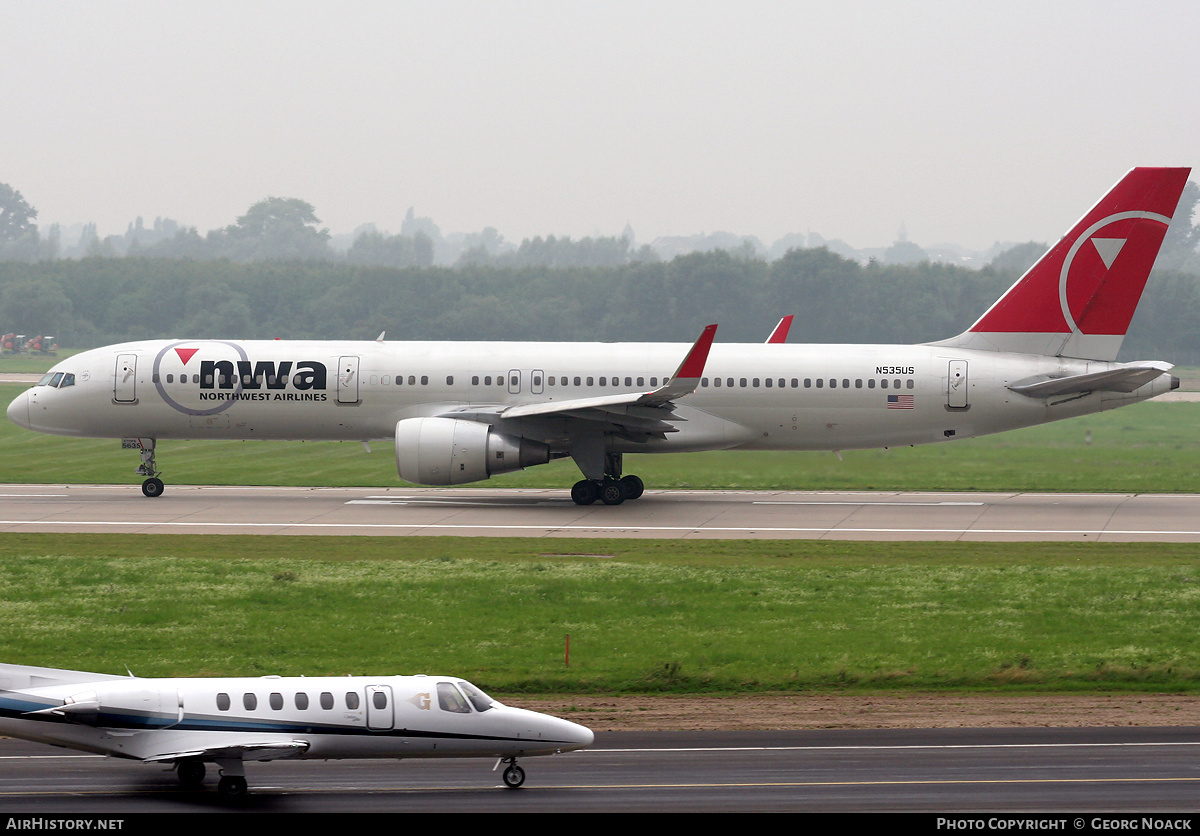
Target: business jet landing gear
{"type": "Point", "coordinates": [514, 776]}
{"type": "Point", "coordinates": [613, 489]}
{"type": "Point", "coordinates": [233, 779]}
{"type": "Point", "coordinates": [153, 486]}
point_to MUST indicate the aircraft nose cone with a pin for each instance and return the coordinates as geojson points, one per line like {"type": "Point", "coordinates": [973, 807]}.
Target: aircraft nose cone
{"type": "Point", "coordinates": [18, 410]}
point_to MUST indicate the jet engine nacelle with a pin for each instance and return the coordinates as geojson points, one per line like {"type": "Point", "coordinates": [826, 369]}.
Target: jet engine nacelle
{"type": "Point", "coordinates": [450, 451]}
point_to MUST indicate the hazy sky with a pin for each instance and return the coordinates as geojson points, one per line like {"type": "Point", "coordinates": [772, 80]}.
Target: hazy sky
{"type": "Point", "coordinates": [967, 121]}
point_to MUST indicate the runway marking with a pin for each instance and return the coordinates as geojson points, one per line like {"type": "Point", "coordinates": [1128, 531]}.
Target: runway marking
{"type": "Point", "coordinates": [551, 528]}
{"type": "Point", "coordinates": [860, 504]}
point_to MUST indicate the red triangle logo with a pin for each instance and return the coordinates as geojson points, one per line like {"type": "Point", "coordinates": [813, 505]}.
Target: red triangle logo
{"type": "Point", "coordinates": [185, 354]}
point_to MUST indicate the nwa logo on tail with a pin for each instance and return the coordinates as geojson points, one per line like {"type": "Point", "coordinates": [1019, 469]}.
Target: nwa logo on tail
{"type": "Point", "coordinates": [1078, 299]}
{"type": "Point", "coordinates": [224, 374]}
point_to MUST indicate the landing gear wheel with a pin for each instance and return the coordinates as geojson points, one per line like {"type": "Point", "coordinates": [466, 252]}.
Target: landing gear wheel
{"type": "Point", "coordinates": [191, 773]}
{"type": "Point", "coordinates": [152, 487]}
{"type": "Point", "coordinates": [514, 776]}
{"type": "Point", "coordinates": [634, 487]}
{"type": "Point", "coordinates": [232, 786]}
{"type": "Point", "coordinates": [585, 492]}
{"type": "Point", "coordinates": [612, 492]}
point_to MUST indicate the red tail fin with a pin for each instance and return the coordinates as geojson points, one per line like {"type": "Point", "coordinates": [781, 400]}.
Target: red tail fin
{"type": "Point", "coordinates": [1078, 299]}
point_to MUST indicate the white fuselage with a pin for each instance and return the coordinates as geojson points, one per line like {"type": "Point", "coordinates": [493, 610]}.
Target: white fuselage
{"type": "Point", "coordinates": [317, 717]}
{"type": "Point", "coordinates": [751, 396]}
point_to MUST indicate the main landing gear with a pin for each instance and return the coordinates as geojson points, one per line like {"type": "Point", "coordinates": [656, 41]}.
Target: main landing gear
{"type": "Point", "coordinates": [232, 784]}
{"type": "Point", "coordinates": [613, 489]}
{"type": "Point", "coordinates": [153, 486]}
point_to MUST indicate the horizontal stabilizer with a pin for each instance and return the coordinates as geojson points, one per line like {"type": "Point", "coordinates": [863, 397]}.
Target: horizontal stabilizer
{"type": "Point", "coordinates": [1124, 379]}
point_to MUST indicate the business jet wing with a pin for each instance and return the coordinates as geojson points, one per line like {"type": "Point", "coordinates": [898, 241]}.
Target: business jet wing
{"type": "Point", "coordinates": [1125, 379]}
{"type": "Point", "coordinates": [250, 749]}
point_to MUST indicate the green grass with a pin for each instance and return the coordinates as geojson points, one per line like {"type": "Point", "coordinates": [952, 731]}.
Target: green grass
{"type": "Point", "coordinates": [643, 616]}
{"type": "Point", "coordinates": [1149, 447]}
{"type": "Point", "coordinates": [32, 363]}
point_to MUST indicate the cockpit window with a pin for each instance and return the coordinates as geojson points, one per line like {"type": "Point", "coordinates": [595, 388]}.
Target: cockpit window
{"type": "Point", "coordinates": [480, 700]}
{"type": "Point", "coordinates": [449, 699]}
{"type": "Point", "coordinates": [57, 379]}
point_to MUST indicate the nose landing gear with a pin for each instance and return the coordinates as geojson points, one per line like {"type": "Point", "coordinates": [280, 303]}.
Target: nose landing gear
{"type": "Point", "coordinates": [153, 486]}
{"type": "Point", "coordinates": [513, 775]}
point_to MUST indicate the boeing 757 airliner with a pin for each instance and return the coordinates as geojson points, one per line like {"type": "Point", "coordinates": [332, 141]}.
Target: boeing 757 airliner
{"type": "Point", "coordinates": [461, 412]}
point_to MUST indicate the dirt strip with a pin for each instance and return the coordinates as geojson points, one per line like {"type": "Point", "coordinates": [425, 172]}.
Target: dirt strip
{"type": "Point", "coordinates": [875, 711]}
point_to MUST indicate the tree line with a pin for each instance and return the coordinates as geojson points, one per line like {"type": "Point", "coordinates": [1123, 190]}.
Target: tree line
{"type": "Point", "coordinates": [95, 301]}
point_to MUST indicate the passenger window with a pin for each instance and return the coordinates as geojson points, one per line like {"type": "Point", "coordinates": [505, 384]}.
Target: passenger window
{"type": "Point", "coordinates": [717, 382]}
{"type": "Point", "coordinates": [846, 383]}
{"type": "Point", "coordinates": [871, 383]}
{"type": "Point", "coordinates": [820, 383]}
{"type": "Point", "coordinates": [910, 383]}
{"type": "Point", "coordinates": [351, 700]}
{"type": "Point", "coordinates": [412, 380]}
{"type": "Point", "coordinates": [475, 380]}
{"type": "Point", "coordinates": [380, 699]}
{"type": "Point", "coordinates": [326, 700]}
{"type": "Point", "coordinates": [450, 380]}
{"type": "Point", "coordinates": [768, 382]}
{"type": "Point", "coordinates": [604, 381]}
{"type": "Point", "coordinates": [833, 383]}
{"type": "Point", "coordinates": [301, 700]}
{"type": "Point", "coordinates": [883, 384]}
{"type": "Point", "coordinates": [223, 702]}
{"type": "Point", "coordinates": [249, 701]}
{"type": "Point", "coordinates": [424, 380]}
{"type": "Point", "coordinates": [276, 700]}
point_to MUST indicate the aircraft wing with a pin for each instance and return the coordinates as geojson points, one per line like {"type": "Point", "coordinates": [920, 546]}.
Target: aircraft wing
{"type": "Point", "coordinates": [1124, 379]}
{"type": "Point", "coordinates": [248, 750]}
{"type": "Point", "coordinates": [639, 412]}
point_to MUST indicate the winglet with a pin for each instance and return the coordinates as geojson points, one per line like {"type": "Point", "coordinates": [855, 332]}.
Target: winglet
{"type": "Point", "coordinates": [692, 367]}
{"type": "Point", "coordinates": [687, 376]}
{"type": "Point", "coordinates": [780, 334]}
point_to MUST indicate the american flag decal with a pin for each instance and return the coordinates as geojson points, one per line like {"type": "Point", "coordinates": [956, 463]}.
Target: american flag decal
{"type": "Point", "coordinates": [900, 402]}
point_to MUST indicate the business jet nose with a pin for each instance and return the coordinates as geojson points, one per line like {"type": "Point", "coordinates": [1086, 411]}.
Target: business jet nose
{"type": "Point", "coordinates": [18, 410]}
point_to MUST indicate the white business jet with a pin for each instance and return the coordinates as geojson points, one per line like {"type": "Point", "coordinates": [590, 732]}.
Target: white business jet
{"type": "Point", "coordinates": [191, 722]}
{"type": "Point", "coordinates": [461, 412]}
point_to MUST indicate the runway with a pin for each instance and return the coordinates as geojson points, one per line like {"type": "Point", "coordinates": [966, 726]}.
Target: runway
{"type": "Point", "coordinates": [550, 513]}
{"type": "Point", "coordinates": [948, 771]}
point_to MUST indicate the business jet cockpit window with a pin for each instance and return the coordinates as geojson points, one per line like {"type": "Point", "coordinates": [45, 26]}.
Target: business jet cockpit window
{"type": "Point", "coordinates": [480, 700]}
{"type": "Point", "coordinates": [449, 699]}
